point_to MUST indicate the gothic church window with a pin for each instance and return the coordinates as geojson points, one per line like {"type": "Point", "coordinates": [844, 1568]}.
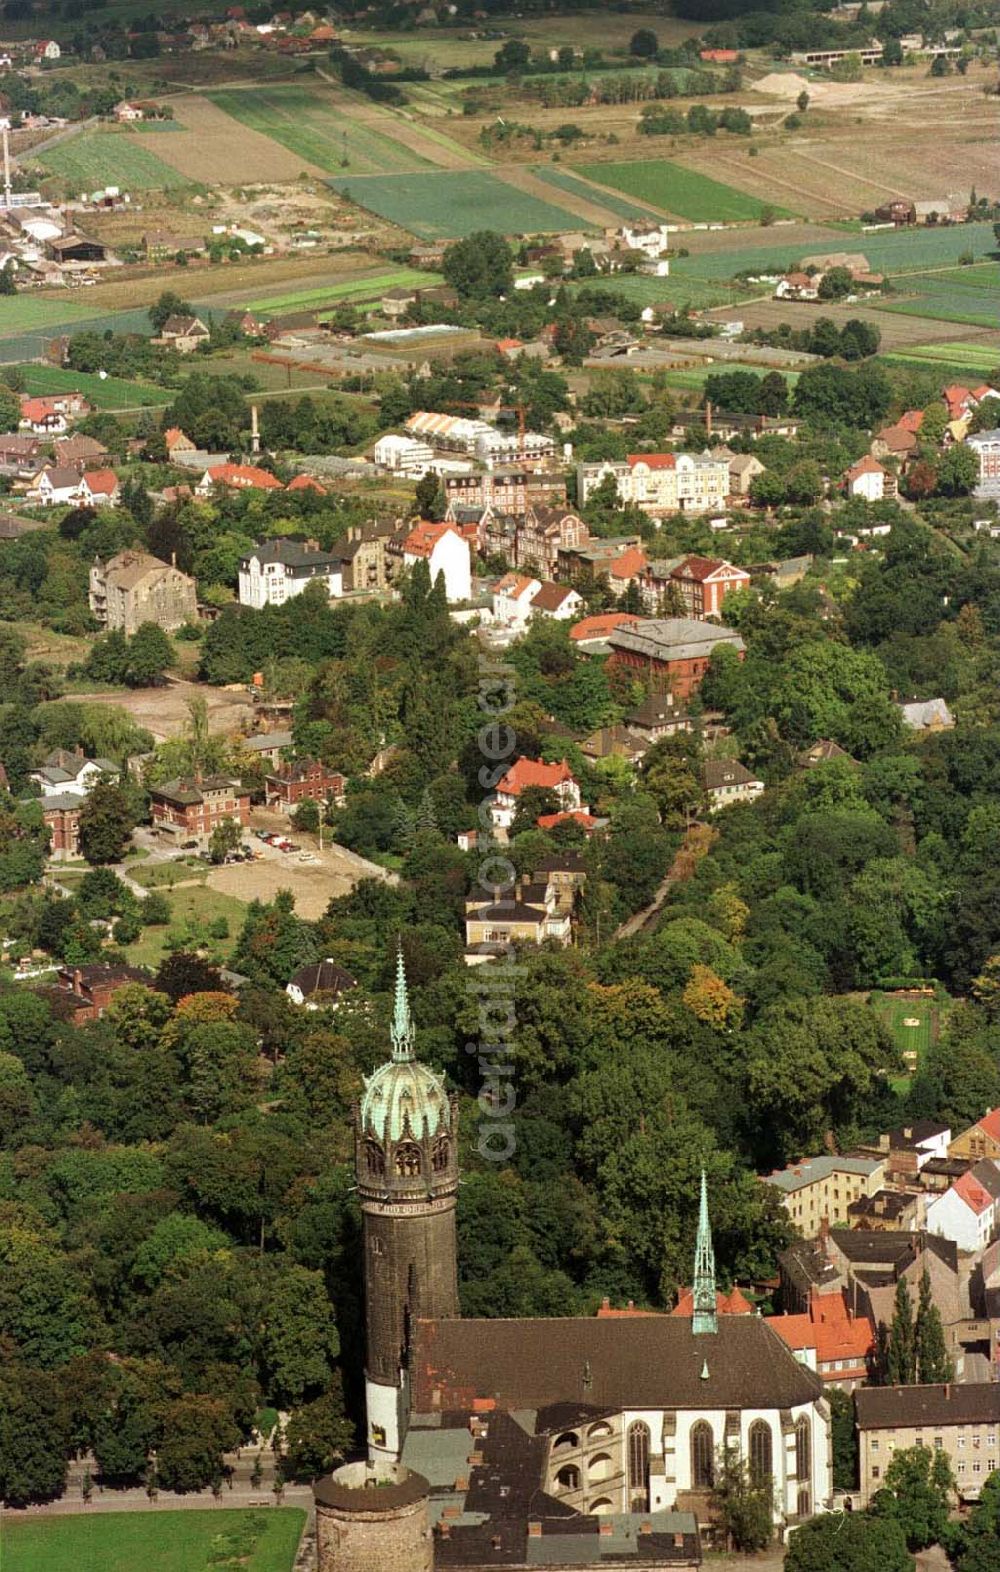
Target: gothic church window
{"type": "Point", "coordinates": [702, 1456]}
{"type": "Point", "coordinates": [374, 1159]}
{"type": "Point", "coordinates": [761, 1467]}
{"type": "Point", "coordinates": [439, 1156]}
{"type": "Point", "coordinates": [638, 1466]}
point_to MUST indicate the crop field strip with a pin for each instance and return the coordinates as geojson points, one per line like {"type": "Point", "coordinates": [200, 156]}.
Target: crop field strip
{"type": "Point", "coordinates": [898, 252]}
{"type": "Point", "coordinates": [104, 393]}
{"type": "Point", "coordinates": [351, 289]}
{"type": "Point", "coordinates": [325, 124]}
{"type": "Point", "coordinates": [677, 191]}
{"type": "Point", "coordinates": [575, 185]}
{"type": "Point", "coordinates": [100, 158]}
{"type": "Point", "coordinates": [214, 148]}
{"type": "Point", "coordinates": [969, 295]}
{"type": "Point", "coordinates": [448, 203]}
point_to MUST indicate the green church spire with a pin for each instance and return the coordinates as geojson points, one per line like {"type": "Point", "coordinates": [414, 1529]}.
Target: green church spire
{"type": "Point", "coordinates": [705, 1318]}
{"type": "Point", "coordinates": [401, 1030]}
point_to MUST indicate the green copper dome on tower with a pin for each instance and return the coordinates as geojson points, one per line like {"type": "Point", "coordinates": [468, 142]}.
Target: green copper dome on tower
{"type": "Point", "coordinates": [403, 1097]}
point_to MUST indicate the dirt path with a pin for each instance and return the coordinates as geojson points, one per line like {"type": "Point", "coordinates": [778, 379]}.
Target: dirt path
{"type": "Point", "coordinates": [697, 841]}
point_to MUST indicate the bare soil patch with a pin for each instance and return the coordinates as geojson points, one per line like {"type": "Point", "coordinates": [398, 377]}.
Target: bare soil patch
{"type": "Point", "coordinates": [898, 332]}
{"type": "Point", "coordinates": [313, 885]}
{"type": "Point", "coordinates": [589, 213]}
{"type": "Point", "coordinates": [213, 147]}
{"type": "Point", "coordinates": [164, 711]}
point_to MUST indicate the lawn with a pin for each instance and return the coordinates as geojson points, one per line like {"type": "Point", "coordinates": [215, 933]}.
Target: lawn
{"type": "Point", "coordinates": [681, 192]}
{"type": "Point", "coordinates": [298, 118]}
{"type": "Point", "coordinates": [99, 158]}
{"type": "Point", "coordinates": [244, 1540]}
{"type": "Point", "coordinates": [107, 393]}
{"type": "Point", "coordinates": [349, 289]}
{"type": "Point", "coordinates": [912, 1040]}
{"type": "Point", "coordinates": [449, 203]}
{"type": "Point", "coordinates": [194, 902]}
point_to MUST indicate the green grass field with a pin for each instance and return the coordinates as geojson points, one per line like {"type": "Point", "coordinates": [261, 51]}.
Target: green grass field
{"type": "Point", "coordinates": [351, 289]}
{"type": "Point", "coordinates": [189, 901]}
{"type": "Point", "coordinates": [965, 359]}
{"type": "Point", "coordinates": [451, 203]}
{"type": "Point", "coordinates": [901, 251]}
{"type": "Point", "coordinates": [246, 1540]}
{"type": "Point", "coordinates": [25, 313]}
{"type": "Point", "coordinates": [966, 295]}
{"type": "Point", "coordinates": [318, 131]}
{"type": "Point", "coordinates": [109, 393]}
{"type": "Point", "coordinates": [648, 291]}
{"type": "Point", "coordinates": [573, 185]}
{"type": "Point", "coordinates": [681, 192]}
{"type": "Point", "coordinates": [914, 1040]}
{"type": "Point", "coordinates": [100, 158]}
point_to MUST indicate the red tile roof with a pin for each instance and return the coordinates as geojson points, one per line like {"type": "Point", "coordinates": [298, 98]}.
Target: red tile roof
{"type": "Point", "coordinates": [976, 1197]}
{"type": "Point", "coordinates": [306, 483]}
{"type": "Point", "coordinates": [244, 475]}
{"type": "Point", "coordinates": [103, 482]}
{"type": "Point", "coordinates": [990, 1124]}
{"type": "Point", "coordinates": [911, 420]}
{"type": "Point", "coordinates": [548, 821]}
{"type": "Point", "coordinates": [552, 596]}
{"type": "Point", "coordinates": [733, 1303]}
{"type": "Point", "coordinates": [628, 564]}
{"type": "Point", "coordinates": [532, 772]}
{"type": "Point", "coordinates": [829, 1327]}
{"type": "Point", "coordinates": [598, 627]}
{"type": "Point", "coordinates": [424, 536]}
{"type": "Point", "coordinates": [864, 466]}
{"type": "Point", "coordinates": [697, 568]}
{"type": "Point", "coordinates": [653, 460]}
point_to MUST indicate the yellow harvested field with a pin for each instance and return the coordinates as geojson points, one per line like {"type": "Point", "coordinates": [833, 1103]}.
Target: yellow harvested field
{"type": "Point", "coordinates": [214, 148]}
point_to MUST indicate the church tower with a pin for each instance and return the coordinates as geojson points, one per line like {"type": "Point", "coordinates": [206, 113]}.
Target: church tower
{"type": "Point", "coordinates": [705, 1318]}
{"type": "Point", "coordinates": [406, 1158]}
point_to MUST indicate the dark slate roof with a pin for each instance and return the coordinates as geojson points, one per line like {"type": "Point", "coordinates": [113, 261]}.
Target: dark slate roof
{"type": "Point", "coordinates": [649, 1362]}
{"type": "Point", "coordinates": [187, 791]}
{"type": "Point", "coordinates": [293, 554]}
{"type": "Point", "coordinates": [882, 1407]}
{"type": "Point", "coordinates": [322, 977]}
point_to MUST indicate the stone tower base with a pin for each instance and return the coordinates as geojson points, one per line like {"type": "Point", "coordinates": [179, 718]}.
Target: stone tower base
{"type": "Point", "coordinates": [372, 1517]}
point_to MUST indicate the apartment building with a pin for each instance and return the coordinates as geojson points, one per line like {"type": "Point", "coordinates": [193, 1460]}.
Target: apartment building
{"type": "Point", "coordinates": [817, 1191]}
{"type": "Point", "coordinates": [960, 1420]}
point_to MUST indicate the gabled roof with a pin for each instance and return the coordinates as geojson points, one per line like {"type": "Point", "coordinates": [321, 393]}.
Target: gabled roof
{"type": "Point", "coordinates": [60, 478]}
{"type": "Point", "coordinates": [990, 1124]}
{"type": "Point", "coordinates": [955, 1403]}
{"type": "Point", "coordinates": [306, 483]}
{"type": "Point", "coordinates": [101, 482]}
{"type": "Point", "coordinates": [829, 1327]}
{"type": "Point", "coordinates": [243, 475]}
{"type": "Point", "coordinates": [652, 460]}
{"type": "Point", "coordinates": [911, 420]}
{"type": "Point", "coordinates": [719, 773]}
{"type": "Point", "coordinates": [599, 626]}
{"type": "Point", "coordinates": [628, 564]}
{"type": "Point", "coordinates": [551, 597]}
{"type": "Point", "coordinates": [532, 772]}
{"type": "Point", "coordinates": [702, 568]}
{"type": "Point", "coordinates": [321, 977]}
{"type": "Point", "coordinates": [733, 1303]}
{"type": "Point", "coordinates": [514, 585]}
{"type": "Point", "coordinates": [864, 466]}
{"type": "Point", "coordinates": [424, 536]}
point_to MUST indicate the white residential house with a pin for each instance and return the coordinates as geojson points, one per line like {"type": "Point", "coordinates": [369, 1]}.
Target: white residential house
{"type": "Point", "coordinates": [967, 1214]}
{"type": "Point", "coordinates": [281, 569]}
{"type": "Point", "coordinates": [557, 601]}
{"type": "Point", "coordinates": [446, 552]}
{"type": "Point", "coordinates": [869, 480]}
{"type": "Point", "coordinates": [557, 778]}
{"type": "Point", "coordinates": [48, 49]}
{"type": "Point", "coordinates": [55, 486]}
{"type": "Point", "coordinates": [99, 488]}
{"type": "Point", "coordinates": [727, 781]}
{"type": "Point", "coordinates": [651, 239]}
{"type": "Point", "coordinates": [66, 774]}
{"type": "Point", "coordinates": [512, 598]}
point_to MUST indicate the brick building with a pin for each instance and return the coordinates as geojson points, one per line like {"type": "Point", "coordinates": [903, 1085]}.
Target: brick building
{"type": "Point", "coordinates": [93, 987]}
{"type": "Point", "coordinates": [671, 653]}
{"type": "Point", "coordinates": [305, 780]}
{"type": "Point", "coordinates": [62, 817]}
{"type": "Point", "coordinates": [189, 809]}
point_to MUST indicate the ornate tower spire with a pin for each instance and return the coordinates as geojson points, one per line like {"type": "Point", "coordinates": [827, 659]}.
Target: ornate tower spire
{"type": "Point", "coordinates": [401, 1030]}
{"type": "Point", "coordinates": [705, 1318]}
